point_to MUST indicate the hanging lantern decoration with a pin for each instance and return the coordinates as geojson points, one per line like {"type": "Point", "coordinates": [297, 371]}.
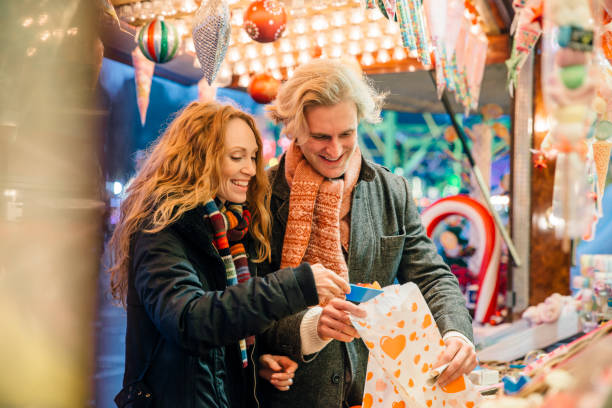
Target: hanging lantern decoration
{"type": "Point", "coordinates": [265, 20]}
{"type": "Point", "coordinates": [211, 36]}
{"type": "Point", "coordinates": [158, 41]}
{"type": "Point", "coordinates": [263, 88]}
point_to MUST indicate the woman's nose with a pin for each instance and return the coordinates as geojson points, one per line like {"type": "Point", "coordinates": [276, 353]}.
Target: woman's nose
{"type": "Point", "coordinates": [250, 169]}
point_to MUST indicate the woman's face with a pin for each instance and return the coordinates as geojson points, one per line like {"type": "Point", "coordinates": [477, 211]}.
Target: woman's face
{"type": "Point", "coordinates": [238, 165]}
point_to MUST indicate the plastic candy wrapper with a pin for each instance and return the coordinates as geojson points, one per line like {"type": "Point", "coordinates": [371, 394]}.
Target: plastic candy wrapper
{"type": "Point", "coordinates": [404, 344]}
{"type": "Point", "coordinates": [569, 86]}
{"type": "Point", "coordinates": [526, 28]}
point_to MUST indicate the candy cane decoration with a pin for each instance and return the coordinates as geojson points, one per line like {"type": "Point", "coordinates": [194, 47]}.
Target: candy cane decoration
{"type": "Point", "coordinates": [487, 254]}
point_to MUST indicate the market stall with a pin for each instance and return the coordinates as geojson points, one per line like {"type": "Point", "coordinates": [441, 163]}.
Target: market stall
{"type": "Point", "coordinates": [520, 151]}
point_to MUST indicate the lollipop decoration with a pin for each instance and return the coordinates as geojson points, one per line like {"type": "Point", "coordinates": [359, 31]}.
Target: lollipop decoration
{"type": "Point", "coordinates": [265, 20]}
{"type": "Point", "coordinates": [158, 41]}
{"type": "Point", "coordinates": [211, 36]}
{"type": "Point", "coordinates": [487, 254]}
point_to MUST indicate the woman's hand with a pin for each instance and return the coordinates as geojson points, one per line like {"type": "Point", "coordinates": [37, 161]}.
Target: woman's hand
{"type": "Point", "coordinates": [329, 284]}
{"type": "Point", "coordinates": [278, 370]}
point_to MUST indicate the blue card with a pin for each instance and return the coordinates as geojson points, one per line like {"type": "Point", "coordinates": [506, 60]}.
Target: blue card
{"type": "Point", "coordinates": [361, 294]}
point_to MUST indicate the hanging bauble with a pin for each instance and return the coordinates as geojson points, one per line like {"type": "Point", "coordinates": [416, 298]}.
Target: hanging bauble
{"type": "Point", "coordinates": [158, 41]}
{"type": "Point", "coordinates": [263, 88]}
{"type": "Point", "coordinates": [211, 35]}
{"type": "Point", "coordinates": [265, 20]}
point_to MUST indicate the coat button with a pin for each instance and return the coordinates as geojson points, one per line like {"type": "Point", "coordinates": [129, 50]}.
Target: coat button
{"type": "Point", "coordinates": [335, 378]}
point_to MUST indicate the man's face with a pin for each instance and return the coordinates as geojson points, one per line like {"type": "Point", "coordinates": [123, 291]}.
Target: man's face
{"type": "Point", "coordinates": [331, 139]}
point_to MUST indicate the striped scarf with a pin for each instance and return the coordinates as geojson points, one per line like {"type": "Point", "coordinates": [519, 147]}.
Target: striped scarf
{"type": "Point", "coordinates": [230, 224]}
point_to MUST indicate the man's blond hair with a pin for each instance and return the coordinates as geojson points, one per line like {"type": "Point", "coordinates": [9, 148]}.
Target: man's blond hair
{"type": "Point", "coordinates": [323, 82]}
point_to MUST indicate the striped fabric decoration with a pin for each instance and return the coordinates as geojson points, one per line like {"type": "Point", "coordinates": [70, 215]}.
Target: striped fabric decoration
{"type": "Point", "coordinates": [158, 41]}
{"type": "Point", "coordinates": [230, 225]}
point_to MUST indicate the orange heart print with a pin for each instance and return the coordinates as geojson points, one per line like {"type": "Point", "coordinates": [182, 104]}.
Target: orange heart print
{"type": "Point", "coordinates": [367, 400]}
{"type": "Point", "coordinates": [393, 346]}
{"type": "Point", "coordinates": [456, 386]}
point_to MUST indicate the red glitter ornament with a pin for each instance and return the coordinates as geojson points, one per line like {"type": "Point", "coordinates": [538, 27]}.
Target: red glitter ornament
{"type": "Point", "coordinates": [265, 20]}
{"type": "Point", "coordinates": [263, 88]}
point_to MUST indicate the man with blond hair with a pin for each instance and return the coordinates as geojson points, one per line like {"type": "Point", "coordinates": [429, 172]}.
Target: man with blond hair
{"type": "Point", "coordinates": [331, 206]}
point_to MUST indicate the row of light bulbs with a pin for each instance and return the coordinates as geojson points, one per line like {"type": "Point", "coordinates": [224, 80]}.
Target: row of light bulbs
{"type": "Point", "coordinates": [357, 20]}
{"type": "Point", "coordinates": [346, 29]}
{"type": "Point", "coordinates": [355, 32]}
{"type": "Point", "coordinates": [286, 63]}
{"type": "Point", "coordinates": [290, 60]}
{"type": "Point", "coordinates": [141, 11]}
{"type": "Point", "coordinates": [352, 42]}
{"type": "Point", "coordinates": [318, 22]}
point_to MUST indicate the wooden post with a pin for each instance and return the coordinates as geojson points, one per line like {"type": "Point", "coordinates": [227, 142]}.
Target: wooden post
{"type": "Point", "coordinates": [549, 263]}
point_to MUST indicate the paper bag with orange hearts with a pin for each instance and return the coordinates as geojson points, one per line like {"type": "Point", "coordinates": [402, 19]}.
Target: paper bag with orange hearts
{"type": "Point", "coordinates": [404, 344]}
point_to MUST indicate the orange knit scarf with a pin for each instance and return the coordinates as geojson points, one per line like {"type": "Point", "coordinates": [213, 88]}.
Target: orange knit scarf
{"type": "Point", "coordinates": [318, 223]}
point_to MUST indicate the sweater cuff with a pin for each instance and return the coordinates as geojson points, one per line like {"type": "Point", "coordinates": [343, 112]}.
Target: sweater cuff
{"type": "Point", "coordinates": [311, 342]}
{"type": "Point", "coordinates": [305, 279]}
{"type": "Point", "coordinates": [454, 333]}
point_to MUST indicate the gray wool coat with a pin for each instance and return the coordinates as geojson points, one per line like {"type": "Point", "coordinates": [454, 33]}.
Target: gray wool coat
{"type": "Point", "coordinates": [387, 241]}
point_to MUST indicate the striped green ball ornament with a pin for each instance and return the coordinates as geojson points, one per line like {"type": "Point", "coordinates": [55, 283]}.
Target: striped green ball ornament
{"type": "Point", "coordinates": [158, 41]}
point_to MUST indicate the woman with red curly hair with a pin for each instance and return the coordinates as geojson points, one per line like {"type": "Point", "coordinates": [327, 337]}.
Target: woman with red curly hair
{"type": "Point", "coordinates": [194, 229]}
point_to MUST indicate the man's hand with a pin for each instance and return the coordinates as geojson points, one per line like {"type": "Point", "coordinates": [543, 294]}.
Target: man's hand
{"type": "Point", "coordinates": [279, 370]}
{"type": "Point", "coordinates": [334, 322]}
{"type": "Point", "coordinates": [461, 359]}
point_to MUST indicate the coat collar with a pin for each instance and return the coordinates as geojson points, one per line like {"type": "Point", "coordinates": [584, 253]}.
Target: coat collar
{"type": "Point", "coordinates": [281, 189]}
{"type": "Point", "coordinates": [194, 227]}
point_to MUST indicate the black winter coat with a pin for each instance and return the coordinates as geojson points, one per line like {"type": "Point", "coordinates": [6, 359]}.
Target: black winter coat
{"type": "Point", "coordinates": [177, 295]}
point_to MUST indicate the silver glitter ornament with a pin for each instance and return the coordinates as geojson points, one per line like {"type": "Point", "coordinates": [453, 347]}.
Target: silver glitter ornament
{"type": "Point", "coordinates": [211, 35]}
